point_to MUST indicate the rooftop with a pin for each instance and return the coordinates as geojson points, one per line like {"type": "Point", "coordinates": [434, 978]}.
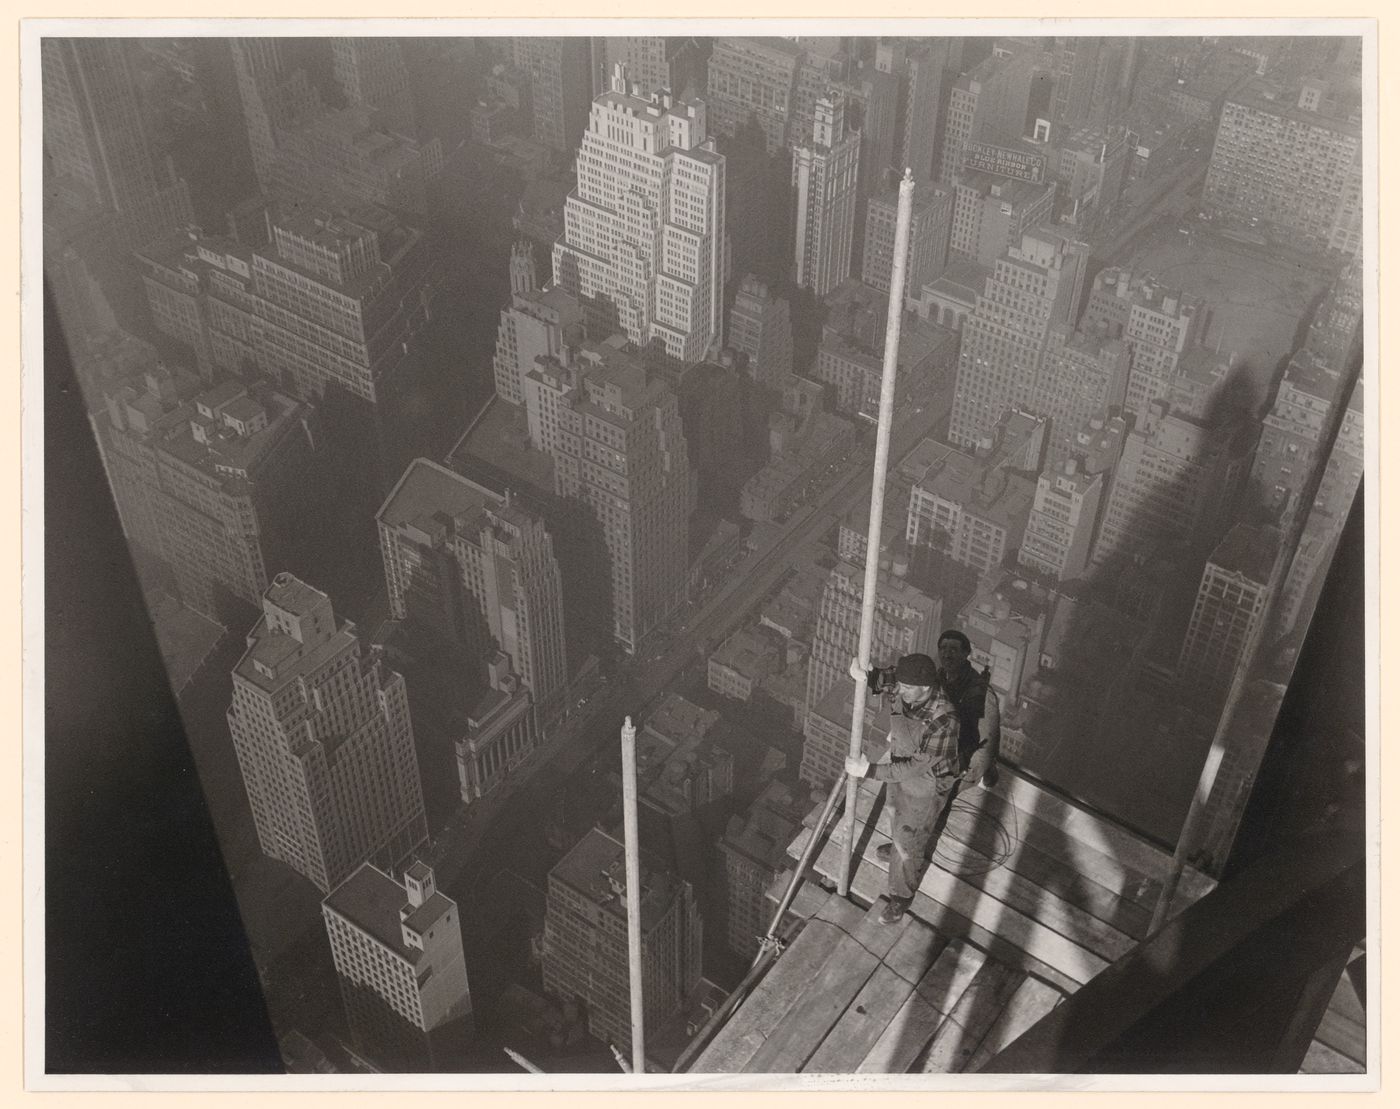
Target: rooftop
{"type": "Point", "coordinates": [596, 869]}
{"type": "Point", "coordinates": [371, 900]}
{"type": "Point", "coordinates": [1248, 550]}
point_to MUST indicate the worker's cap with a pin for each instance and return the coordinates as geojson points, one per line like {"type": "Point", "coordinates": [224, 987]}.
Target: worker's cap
{"type": "Point", "coordinates": [916, 670]}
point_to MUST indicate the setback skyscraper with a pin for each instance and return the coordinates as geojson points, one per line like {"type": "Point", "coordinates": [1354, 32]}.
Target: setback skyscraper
{"type": "Point", "coordinates": [644, 227]}
{"type": "Point", "coordinates": [324, 742]}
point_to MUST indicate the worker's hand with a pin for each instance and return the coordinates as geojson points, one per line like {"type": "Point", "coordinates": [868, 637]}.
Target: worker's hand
{"type": "Point", "coordinates": [981, 768]}
{"type": "Point", "coordinates": [857, 671]}
{"type": "Point", "coordinates": [857, 765]}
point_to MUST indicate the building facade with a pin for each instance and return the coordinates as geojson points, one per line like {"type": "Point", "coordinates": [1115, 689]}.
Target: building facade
{"type": "Point", "coordinates": [614, 432]}
{"type": "Point", "coordinates": [398, 955]}
{"type": "Point", "coordinates": [585, 938]}
{"type": "Point", "coordinates": [644, 227]}
{"type": "Point", "coordinates": [480, 570]}
{"type": "Point", "coordinates": [824, 170]}
{"type": "Point", "coordinates": [324, 742]}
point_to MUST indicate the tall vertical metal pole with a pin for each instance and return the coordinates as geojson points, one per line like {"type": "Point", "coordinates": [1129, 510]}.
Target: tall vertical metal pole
{"type": "Point", "coordinates": [893, 320]}
{"type": "Point", "coordinates": [634, 890]}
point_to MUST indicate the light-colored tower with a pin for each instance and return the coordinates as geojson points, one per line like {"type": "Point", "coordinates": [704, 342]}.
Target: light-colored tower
{"type": "Point", "coordinates": [644, 227]}
{"type": "Point", "coordinates": [480, 569]}
{"type": "Point", "coordinates": [1060, 528]}
{"type": "Point", "coordinates": [324, 742]}
{"type": "Point", "coordinates": [537, 323]}
{"type": "Point", "coordinates": [824, 183]}
{"type": "Point", "coordinates": [403, 976]}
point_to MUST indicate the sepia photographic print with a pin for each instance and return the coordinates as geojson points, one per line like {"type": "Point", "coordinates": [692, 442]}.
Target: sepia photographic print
{"type": "Point", "coordinates": [704, 560]}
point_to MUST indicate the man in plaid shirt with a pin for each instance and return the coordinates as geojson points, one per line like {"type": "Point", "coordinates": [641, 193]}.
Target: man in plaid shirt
{"type": "Point", "coordinates": [926, 709]}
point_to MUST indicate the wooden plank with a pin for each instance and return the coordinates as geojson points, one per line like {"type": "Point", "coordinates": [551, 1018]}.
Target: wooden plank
{"type": "Point", "coordinates": [958, 1037]}
{"type": "Point", "coordinates": [1345, 1000]}
{"type": "Point", "coordinates": [987, 825]}
{"type": "Point", "coordinates": [805, 903]}
{"type": "Point", "coordinates": [1102, 835]}
{"type": "Point", "coordinates": [744, 1032]}
{"type": "Point", "coordinates": [924, 1010]}
{"type": "Point", "coordinates": [1031, 1001]}
{"type": "Point", "coordinates": [1022, 929]}
{"type": "Point", "coordinates": [862, 1024]}
{"type": "Point", "coordinates": [1321, 1059]}
{"type": "Point", "coordinates": [1026, 828]}
{"type": "Point", "coordinates": [982, 826]}
{"type": "Point", "coordinates": [823, 1001]}
{"type": "Point", "coordinates": [868, 883]}
{"type": "Point", "coordinates": [916, 951]}
{"type": "Point", "coordinates": [863, 925]}
{"type": "Point", "coordinates": [1343, 1034]}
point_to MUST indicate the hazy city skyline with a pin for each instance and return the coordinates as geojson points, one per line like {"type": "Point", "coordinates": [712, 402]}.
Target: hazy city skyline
{"type": "Point", "coordinates": [459, 397]}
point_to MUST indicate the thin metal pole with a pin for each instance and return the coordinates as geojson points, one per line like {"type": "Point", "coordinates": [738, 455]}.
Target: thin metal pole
{"type": "Point", "coordinates": [1192, 827]}
{"type": "Point", "coordinates": [634, 890]}
{"type": "Point", "coordinates": [522, 1062]}
{"type": "Point", "coordinates": [893, 320]}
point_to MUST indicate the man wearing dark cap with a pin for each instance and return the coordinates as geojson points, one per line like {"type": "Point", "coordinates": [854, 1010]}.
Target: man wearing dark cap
{"type": "Point", "coordinates": [921, 771]}
{"type": "Point", "coordinates": [979, 712]}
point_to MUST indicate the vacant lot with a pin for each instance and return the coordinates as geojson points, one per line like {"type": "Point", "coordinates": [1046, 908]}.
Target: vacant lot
{"type": "Point", "coordinates": [1258, 298]}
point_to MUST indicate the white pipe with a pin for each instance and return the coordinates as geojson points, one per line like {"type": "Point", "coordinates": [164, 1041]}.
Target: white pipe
{"type": "Point", "coordinates": [634, 890]}
{"type": "Point", "coordinates": [893, 319]}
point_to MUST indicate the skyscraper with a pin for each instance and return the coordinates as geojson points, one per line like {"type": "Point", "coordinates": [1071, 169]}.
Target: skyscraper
{"type": "Point", "coordinates": [931, 220]}
{"type": "Point", "coordinates": [656, 62]}
{"type": "Point", "coordinates": [753, 78]}
{"type": "Point", "coordinates": [585, 937]}
{"type": "Point", "coordinates": [96, 138]}
{"type": "Point", "coordinates": [644, 228]}
{"type": "Point", "coordinates": [1060, 529]}
{"type": "Point", "coordinates": [535, 324]}
{"type": "Point", "coordinates": [1175, 484]}
{"type": "Point", "coordinates": [479, 569]}
{"type": "Point", "coordinates": [561, 85]}
{"type": "Point", "coordinates": [1228, 610]}
{"type": "Point", "coordinates": [1281, 161]}
{"type": "Point", "coordinates": [93, 126]}
{"type": "Point", "coordinates": [324, 742]}
{"type": "Point", "coordinates": [371, 73]}
{"type": "Point", "coordinates": [348, 156]}
{"type": "Point", "coordinates": [274, 93]}
{"type": "Point", "coordinates": [905, 620]}
{"type": "Point", "coordinates": [1158, 324]}
{"type": "Point", "coordinates": [1033, 287]}
{"type": "Point", "coordinates": [990, 102]}
{"type": "Point", "coordinates": [760, 325]}
{"type": "Point", "coordinates": [205, 479]}
{"type": "Point", "coordinates": [614, 432]}
{"type": "Point", "coordinates": [991, 213]}
{"type": "Point", "coordinates": [338, 296]}
{"type": "Point", "coordinates": [824, 183]}
{"type": "Point", "coordinates": [754, 852]}
{"type": "Point", "coordinates": [403, 976]}
{"type": "Point", "coordinates": [924, 67]}
{"type": "Point", "coordinates": [1079, 376]}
